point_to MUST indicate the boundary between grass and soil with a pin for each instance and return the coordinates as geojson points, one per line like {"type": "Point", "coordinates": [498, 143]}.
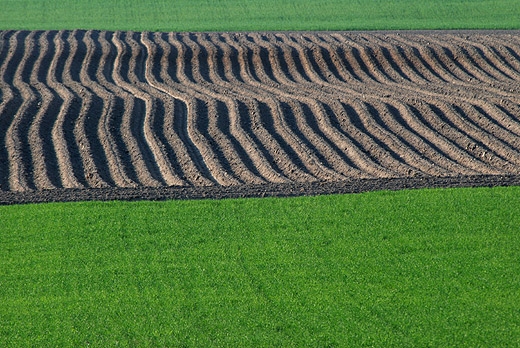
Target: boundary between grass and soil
{"type": "Point", "coordinates": [249, 191]}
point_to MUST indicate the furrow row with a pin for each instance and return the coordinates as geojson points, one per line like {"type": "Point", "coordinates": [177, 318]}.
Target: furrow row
{"type": "Point", "coordinates": [95, 109]}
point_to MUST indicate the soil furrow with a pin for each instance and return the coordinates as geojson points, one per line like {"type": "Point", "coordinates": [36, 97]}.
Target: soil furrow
{"type": "Point", "coordinates": [11, 101]}
{"type": "Point", "coordinates": [136, 83]}
{"type": "Point", "coordinates": [88, 167]}
{"type": "Point", "coordinates": [64, 117]}
{"type": "Point", "coordinates": [361, 161]}
{"type": "Point", "coordinates": [489, 59]}
{"type": "Point", "coordinates": [98, 121]}
{"type": "Point", "coordinates": [189, 156]}
{"type": "Point", "coordinates": [133, 131]}
{"type": "Point", "coordinates": [234, 79]}
{"type": "Point", "coordinates": [45, 166]}
{"type": "Point", "coordinates": [280, 91]}
{"type": "Point", "coordinates": [17, 142]}
{"type": "Point", "coordinates": [488, 147]}
{"type": "Point", "coordinates": [192, 68]}
{"type": "Point", "coordinates": [221, 113]}
{"type": "Point", "coordinates": [241, 89]}
{"type": "Point", "coordinates": [134, 115]}
{"type": "Point", "coordinates": [464, 146]}
{"type": "Point", "coordinates": [165, 157]}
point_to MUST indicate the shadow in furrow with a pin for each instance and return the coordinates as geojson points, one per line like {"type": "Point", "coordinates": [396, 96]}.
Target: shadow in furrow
{"type": "Point", "coordinates": [124, 57]}
{"type": "Point", "coordinates": [156, 58]}
{"type": "Point", "coordinates": [90, 57]}
{"type": "Point", "coordinates": [311, 121]}
{"type": "Point", "coordinates": [223, 123]}
{"type": "Point", "coordinates": [397, 116]}
{"type": "Point", "coordinates": [377, 118]}
{"type": "Point", "coordinates": [513, 53]}
{"type": "Point", "coordinates": [137, 128]}
{"type": "Point", "coordinates": [513, 118]}
{"type": "Point", "coordinates": [281, 63]}
{"type": "Point", "coordinates": [489, 142]}
{"type": "Point", "coordinates": [245, 124]}
{"type": "Point", "coordinates": [251, 65]}
{"type": "Point", "coordinates": [325, 54]}
{"type": "Point", "coordinates": [452, 59]}
{"type": "Point", "coordinates": [387, 55]}
{"type": "Point", "coordinates": [493, 65]}
{"type": "Point", "coordinates": [299, 66]}
{"type": "Point", "coordinates": [202, 125]}
{"type": "Point", "coordinates": [457, 140]}
{"type": "Point", "coordinates": [180, 125]}
{"type": "Point", "coordinates": [291, 121]}
{"type": "Point", "coordinates": [443, 67]}
{"type": "Point", "coordinates": [234, 60]}
{"type": "Point", "coordinates": [11, 106]}
{"type": "Point", "coordinates": [115, 125]}
{"type": "Point", "coordinates": [49, 117]}
{"type": "Point", "coordinates": [475, 66]}
{"type": "Point", "coordinates": [140, 58]}
{"type": "Point", "coordinates": [26, 119]}
{"type": "Point", "coordinates": [159, 125]}
{"type": "Point", "coordinates": [410, 65]}
{"type": "Point", "coordinates": [424, 63]}
{"type": "Point", "coordinates": [70, 120]}
{"type": "Point", "coordinates": [360, 61]}
{"type": "Point", "coordinates": [355, 120]}
{"type": "Point", "coordinates": [504, 61]}
{"type": "Point", "coordinates": [215, 56]}
{"type": "Point", "coordinates": [170, 61]}
{"type": "Point", "coordinates": [267, 119]}
{"type": "Point", "coordinates": [498, 125]}
{"type": "Point", "coordinates": [92, 119]}
{"type": "Point", "coordinates": [266, 64]}
{"type": "Point", "coordinates": [200, 55]}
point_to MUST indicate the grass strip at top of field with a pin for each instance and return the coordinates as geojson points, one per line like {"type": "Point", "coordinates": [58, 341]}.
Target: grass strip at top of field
{"type": "Point", "coordinates": [244, 15]}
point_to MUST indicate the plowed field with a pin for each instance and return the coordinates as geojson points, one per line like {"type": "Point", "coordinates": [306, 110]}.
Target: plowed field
{"type": "Point", "coordinates": [104, 115]}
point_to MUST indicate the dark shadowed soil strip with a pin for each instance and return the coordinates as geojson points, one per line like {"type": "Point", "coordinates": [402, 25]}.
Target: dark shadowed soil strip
{"type": "Point", "coordinates": [250, 191]}
{"type": "Point", "coordinates": [94, 115]}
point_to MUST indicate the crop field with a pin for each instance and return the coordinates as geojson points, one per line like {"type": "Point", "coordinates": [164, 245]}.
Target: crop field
{"type": "Point", "coordinates": [403, 269]}
{"type": "Point", "coordinates": [149, 101]}
{"type": "Point", "coordinates": [89, 110]}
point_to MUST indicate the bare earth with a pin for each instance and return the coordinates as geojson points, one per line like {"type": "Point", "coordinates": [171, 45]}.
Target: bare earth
{"type": "Point", "coordinates": [90, 115]}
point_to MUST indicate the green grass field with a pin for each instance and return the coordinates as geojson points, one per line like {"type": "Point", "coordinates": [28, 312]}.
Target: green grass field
{"type": "Point", "coordinates": [232, 15]}
{"type": "Point", "coordinates": [403, 269]}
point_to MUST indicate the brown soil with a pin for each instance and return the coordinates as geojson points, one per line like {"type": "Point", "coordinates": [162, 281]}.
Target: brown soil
{"type": "Point", "coordinates": [124, 115]}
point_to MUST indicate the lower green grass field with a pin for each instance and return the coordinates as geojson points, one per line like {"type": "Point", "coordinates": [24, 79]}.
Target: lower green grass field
{"type": "Point", "coordinates": [405, 269]}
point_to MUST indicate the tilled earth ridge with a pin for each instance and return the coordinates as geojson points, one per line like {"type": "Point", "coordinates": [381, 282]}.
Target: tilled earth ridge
{"type": "Point", "coordinates": [125, 115]}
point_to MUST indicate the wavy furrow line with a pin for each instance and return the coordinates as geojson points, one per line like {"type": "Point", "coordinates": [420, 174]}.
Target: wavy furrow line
{"type": "Point", "coordinates": [329, 156]}
{"type": "Point", "coordinates": [40, 138]}
{"type": "Point", "coordinates": [94, 109]}
{"type": "Point", "coordinates": [81, 146]}
{"type": "Point", "coordinates": [406, 154]}
{"type": "Point", "coordinates": [379, 141]}
{"type": "Point", "coordinates": [17, 140]}
{"type": "Point", "coordinates": [293, 74]}
{"type": "Point", "coordinates": [287, 133]}
{"type": "Point", "coordinates": [61, 138]}
{"type": "Point", "coordinates": [96, 124]}
{"type": "Point", "coordinates": [277, 86]}
{"type": "Point", "coordinates": [412, 138]}
{"type": "Point", "coordinates": [8, 102]}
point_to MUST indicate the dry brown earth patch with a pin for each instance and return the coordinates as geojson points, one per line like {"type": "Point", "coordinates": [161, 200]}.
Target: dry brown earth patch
{"type": "Point", "coordinates": [125, 115]}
